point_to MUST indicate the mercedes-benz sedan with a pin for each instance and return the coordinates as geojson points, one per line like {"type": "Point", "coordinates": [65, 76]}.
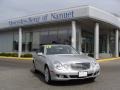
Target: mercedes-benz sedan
{"type": "Point", "coordinates": [62, 62]}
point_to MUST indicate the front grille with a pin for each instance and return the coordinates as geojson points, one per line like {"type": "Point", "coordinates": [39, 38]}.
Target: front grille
{"type": "Point", "coordinates": [80, 66]}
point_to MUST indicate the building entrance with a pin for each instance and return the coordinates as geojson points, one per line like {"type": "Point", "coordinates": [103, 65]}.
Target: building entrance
{"type": "Point", "coordinates": [88, 43]}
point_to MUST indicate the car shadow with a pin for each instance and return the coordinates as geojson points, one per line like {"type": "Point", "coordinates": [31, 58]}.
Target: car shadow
{"type": "Point", "coordinates": [71, 82]}
{"type": "Point", "coordinates": [40, 76]}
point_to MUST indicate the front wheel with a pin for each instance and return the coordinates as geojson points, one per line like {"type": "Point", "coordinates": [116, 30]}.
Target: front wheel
{"type": "Point", "coordinates": [47, 75]}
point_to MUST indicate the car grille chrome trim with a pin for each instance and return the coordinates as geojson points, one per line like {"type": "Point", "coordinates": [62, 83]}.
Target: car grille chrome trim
{"type": "Point", "coordinates": [80, 66]}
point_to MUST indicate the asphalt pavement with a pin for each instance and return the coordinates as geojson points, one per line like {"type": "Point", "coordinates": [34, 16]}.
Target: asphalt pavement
{"type": "Point", "coordinates": [18, 75]}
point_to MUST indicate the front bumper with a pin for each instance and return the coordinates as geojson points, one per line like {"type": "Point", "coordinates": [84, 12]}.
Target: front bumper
{"type": "Point", "coordinates": [72, 74]}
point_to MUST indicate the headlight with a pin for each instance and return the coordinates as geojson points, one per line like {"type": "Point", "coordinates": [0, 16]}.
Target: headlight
{"type": "Point", "coordinates": [95, 64]}
{"type": "Point", "coordinates": [60, 66]}
{"type": "Point", "coordinates": [66, 66]}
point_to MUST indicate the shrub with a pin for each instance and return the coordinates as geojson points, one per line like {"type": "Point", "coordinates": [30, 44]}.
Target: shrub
{"type": "Point", "coordinates": [15, 55]}
{"type": "Point", "coordinates": [2, 54]}
{"type": "Point", "coordinates": [26, 55]}
{"type": "Point", "coordinates": [9, 54]}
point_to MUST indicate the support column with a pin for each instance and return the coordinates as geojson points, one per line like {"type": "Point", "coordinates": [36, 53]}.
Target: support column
{"type": "Point", "coordinates": [96, 41]}
{"type": "Point", "coordinates": [116, 43]}
{"type": "Point", "coordinates": [73, 38]}
{"type": "Point", "coordinates": [108, 44]}
{"type": "Point", "coordinates": [20, 43]}
{"type": "Point", "coordinates": [80, 40]}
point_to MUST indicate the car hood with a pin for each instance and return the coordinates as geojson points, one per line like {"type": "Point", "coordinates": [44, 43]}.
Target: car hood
{"type": "Point", "coordinates": [70, 58]}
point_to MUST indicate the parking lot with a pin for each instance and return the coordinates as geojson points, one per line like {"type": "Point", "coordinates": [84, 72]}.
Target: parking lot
{"type": "Point", "coordinates": [18, 75]}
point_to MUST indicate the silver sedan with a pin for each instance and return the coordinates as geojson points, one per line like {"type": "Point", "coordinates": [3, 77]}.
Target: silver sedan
{"type": "Point", "coordinates": [62, 62]}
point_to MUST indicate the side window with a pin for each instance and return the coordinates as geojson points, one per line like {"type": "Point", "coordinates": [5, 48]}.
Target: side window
{"type": "Point", "coordinates": [42, 49]}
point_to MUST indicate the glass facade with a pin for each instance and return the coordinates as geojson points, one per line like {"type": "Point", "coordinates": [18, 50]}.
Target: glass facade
{"type": "Point", "coordinates": [112, 43]}
{"type": "Point", "coordinates": [103, 44]}
{"type": "Point", "coordinates": [15, 41]}
{"type": "Point", "coordinates": [33, 39]}
{"type": "Point", "coordinates": [88, 42]}
{"type": "Point", "coordinates": [28, 41]}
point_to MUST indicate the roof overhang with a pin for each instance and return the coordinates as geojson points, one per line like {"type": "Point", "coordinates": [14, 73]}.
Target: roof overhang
{"type": "Point", "coordinates": [74, 13]}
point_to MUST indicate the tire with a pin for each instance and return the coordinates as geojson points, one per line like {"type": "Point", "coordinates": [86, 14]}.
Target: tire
{"type": "Point", "coordinates": [47, 75]}
{"type": "Point", "coordinates": [34, 67]}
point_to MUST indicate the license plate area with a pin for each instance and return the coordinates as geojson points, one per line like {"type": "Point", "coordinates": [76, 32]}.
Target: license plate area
{"type": "Point", "coordinates": [82, 74]}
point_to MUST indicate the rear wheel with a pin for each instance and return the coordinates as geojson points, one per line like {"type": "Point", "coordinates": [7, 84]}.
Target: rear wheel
{"type": "Point", "coordinates": [47, 75]}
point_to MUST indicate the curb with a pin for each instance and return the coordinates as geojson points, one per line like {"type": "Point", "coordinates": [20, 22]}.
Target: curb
{"type": "Point", "coordinates": [107, 59]}
{"type": "Point", "coordinates": [16, 58]}
{"type": "Point", "coordinates": [99, 60]}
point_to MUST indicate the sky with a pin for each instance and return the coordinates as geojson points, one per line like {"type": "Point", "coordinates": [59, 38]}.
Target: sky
{"type": "Point", "coordinates": [16, 8]}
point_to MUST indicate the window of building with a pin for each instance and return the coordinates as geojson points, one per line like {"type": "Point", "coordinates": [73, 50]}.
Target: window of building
{"type": "Point", "coordinates": [15, 41]}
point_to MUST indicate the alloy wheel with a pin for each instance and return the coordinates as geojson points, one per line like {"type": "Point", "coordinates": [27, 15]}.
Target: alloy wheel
{"type": "Point", "coordinates": [47, 75]}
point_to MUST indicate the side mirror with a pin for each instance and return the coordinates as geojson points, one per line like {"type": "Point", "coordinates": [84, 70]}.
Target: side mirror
{"type": "Point", "coordinates": [40, 53]}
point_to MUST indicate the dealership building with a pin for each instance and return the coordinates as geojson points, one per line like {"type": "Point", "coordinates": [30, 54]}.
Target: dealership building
{"type": "Point", "coordinates": [86, 28]}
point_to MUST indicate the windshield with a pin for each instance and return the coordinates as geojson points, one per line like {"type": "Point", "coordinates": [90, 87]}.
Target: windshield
{"type": "Point", "coordinates": [60, 49]}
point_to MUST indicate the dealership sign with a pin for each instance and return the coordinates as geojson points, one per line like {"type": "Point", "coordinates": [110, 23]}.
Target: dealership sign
{"type": "Point", "coordinates": [42, 18]}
